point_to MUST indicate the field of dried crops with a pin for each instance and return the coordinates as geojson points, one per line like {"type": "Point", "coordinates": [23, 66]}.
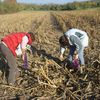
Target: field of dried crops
{"type": "Point", "coordinates": [47, 78]}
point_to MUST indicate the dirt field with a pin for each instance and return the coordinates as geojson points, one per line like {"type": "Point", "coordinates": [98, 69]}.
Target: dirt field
{"type": "Point", "coordinates": [47, 78]}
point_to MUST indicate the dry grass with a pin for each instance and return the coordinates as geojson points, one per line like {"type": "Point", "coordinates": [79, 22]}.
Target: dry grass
{"type": "Point", "coordinates": [47, 78]}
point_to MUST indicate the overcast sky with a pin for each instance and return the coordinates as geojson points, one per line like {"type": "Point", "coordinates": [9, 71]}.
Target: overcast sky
{"type": "Point", "coordinates": [47, 1]}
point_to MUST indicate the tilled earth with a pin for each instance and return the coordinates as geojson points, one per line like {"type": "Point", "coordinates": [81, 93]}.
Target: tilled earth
{"type": "Point", "coordinates": [46, 77]}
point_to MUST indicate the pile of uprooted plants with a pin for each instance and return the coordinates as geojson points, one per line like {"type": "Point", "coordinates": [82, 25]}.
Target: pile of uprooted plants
{"type": "Point", "coordinates": [48, 79]}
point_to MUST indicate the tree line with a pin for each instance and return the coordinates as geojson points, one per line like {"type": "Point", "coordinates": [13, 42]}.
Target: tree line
{"type": "Point", "coordinates": [15, 7]}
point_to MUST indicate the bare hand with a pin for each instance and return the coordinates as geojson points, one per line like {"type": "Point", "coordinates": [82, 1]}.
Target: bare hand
{"type": "Point", "coordinates": [76, 57]}
{"type": "Point", "coordinates": [23, 57]}
{"type": "Point", "coordinates": [61, 57]}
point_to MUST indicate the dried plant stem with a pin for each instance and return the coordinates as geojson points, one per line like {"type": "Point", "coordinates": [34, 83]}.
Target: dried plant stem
{"type": "Point", "coordinates": [40, 82]}
{"type": "Point", "coordinates": [43, 73]}
{"type": "Point", "coordinates": [66, 70]}
{"type": "Point", "coordinates": [71, 94]}
{"type": "Point", "coordinates": [17, 88]}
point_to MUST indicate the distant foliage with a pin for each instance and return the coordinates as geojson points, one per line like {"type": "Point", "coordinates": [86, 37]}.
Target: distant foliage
{"type": "Point", "coordinates": [15, 7]}
{"type": "Point", "coordinates": [10, 8]}
{"type": "Point", "coordinates": [10, 1]}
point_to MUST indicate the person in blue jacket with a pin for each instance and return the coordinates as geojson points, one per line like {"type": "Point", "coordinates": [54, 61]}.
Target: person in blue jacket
{"type": "Point", "coordinates": [74, 39]}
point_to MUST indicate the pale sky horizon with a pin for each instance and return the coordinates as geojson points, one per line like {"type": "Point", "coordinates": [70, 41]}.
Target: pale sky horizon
{"type": "Point", "coordinates": [48, 1]}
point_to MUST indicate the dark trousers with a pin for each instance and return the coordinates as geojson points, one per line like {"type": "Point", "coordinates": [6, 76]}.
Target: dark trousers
{"type": "Point", "coordinates": [71, 52]}
{"type": "Point", "coordinates": [11, 61]}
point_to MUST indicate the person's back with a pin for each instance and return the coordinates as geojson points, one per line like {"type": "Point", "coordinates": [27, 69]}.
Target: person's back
{"type": "Point", "coordinates": [82, 35]}
{"type": "Point", "coordinates": [13, 39]}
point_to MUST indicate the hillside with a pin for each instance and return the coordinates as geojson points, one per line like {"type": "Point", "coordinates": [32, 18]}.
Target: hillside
{"type": "Point", "coordinates": [47, 78]}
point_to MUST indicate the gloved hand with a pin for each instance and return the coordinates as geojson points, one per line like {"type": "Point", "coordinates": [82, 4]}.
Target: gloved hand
{"type": "Point", "coordinates": [25, 61]}
{"type": "Point", "coordinates": [75, 63]}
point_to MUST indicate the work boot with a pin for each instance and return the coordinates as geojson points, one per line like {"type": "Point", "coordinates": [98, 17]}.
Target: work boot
{"type": "Point", "coordinates": [81, 69]}
{"type": "Point", "coordinates": [11, 84]}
